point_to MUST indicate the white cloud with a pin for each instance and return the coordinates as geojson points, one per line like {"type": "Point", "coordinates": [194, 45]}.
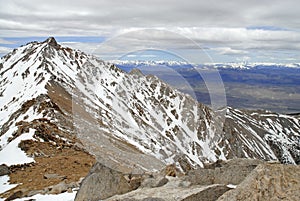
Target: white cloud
{"type": "Point", "coordinates": [85, 47]}
{"type": "Point", "coordinates": [229, 51]}
{"type": "Point", "coordinates": [105, 16]}
{"type": "Point", "coordinates": [142, 55]}
{"type": "Point", "coordinates": [4, 50]}
{"type": "Point", "coordinates": [243, 59]}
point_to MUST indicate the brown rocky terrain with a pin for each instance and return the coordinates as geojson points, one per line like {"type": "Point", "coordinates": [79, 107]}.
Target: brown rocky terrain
{"type": "Point", "coordinates": [56, 170]}
{"type": "Point", "coordinates": [60, 161]}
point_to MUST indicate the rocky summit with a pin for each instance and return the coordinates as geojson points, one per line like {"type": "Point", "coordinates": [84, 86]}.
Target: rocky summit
{"type": "Point", "coordinates": [62, 110]}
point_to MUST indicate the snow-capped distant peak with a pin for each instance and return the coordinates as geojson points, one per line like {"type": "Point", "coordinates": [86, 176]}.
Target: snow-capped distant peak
{"type": "Point", "coordinates": [149, 62]}
{"type": "Point", "coordinates": [234, 65]}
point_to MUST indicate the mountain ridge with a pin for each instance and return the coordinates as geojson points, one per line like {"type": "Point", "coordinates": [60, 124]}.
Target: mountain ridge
{"type": "Point", "coordinates": [130, 122]}
{"type": "Point", "coordinates": [70, 68]}
{"type": "Point", "coordinates": [233, 65]}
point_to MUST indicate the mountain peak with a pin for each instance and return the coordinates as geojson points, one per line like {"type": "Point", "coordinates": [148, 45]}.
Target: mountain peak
{"type": "Point", "coordinates": [137, 72]}
{"type": "Point", "coordinates": [52, 42]}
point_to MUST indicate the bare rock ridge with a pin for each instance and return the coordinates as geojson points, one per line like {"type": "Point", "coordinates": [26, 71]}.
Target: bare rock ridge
{"type": "Point", "coordinates": [62, 108]}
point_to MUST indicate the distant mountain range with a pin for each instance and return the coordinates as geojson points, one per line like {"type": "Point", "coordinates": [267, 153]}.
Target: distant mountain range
{"type": "Point", "coordinates": [268, 86]}
{"type": "Point", "coordinates": [235, 65]}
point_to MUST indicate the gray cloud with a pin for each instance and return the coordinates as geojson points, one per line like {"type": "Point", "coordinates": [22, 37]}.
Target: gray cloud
{"type": "Point", "coordinates": [98, 15]}
{"type": "Point", "coordinates": [229, 51]}
{"type": "Point", "coordinates": [236, 26]}
{"type": "Point", "coordinates": [4, 50]}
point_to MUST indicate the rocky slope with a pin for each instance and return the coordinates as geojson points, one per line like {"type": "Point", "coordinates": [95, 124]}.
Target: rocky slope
{"type": "Point", "coordinates": [36, 128]}
{"type": "Point", "coordinates": [55, 96]}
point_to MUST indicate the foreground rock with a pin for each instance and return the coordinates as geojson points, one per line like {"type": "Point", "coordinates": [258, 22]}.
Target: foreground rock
{"type": "Point", "coordinates": [268, 182]}
{"type": "Point", "coordinates": [166, 185]}
{"type": "Point", "coordinates": [103, 182]}
{"type": "Point", "coordinates": [206, 184]}
{"type": "Point", "coordinates": [174, 191]}
{"type": "Point", "coordinates": [223, 172]}
{"type": "Point", "coordinates": [236, 179]}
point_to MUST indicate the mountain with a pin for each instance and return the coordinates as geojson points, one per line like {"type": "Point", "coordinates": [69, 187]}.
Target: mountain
{"type": "Point", "coordinates": [268, 86]}
{"type": "Point", "coordinates": [61, 108]}
{"type": "Point", "coordinates": [129, 64]}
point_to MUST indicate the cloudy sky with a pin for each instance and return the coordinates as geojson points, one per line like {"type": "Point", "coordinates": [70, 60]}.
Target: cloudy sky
{"type": "Point", "coordinates": [228, 31]}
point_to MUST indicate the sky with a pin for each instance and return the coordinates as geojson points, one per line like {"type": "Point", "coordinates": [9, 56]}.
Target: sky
{"type": "Point", "coordinates": [202, 31]}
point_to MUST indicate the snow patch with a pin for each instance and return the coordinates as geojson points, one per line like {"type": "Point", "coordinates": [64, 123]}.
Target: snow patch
{"type": "Point", "coordinates": [231, 186]}
{"type": "Point", "coordinates": [12, 154]}
{"type": "Point", "coordinates": [63, 197]}
{"type": "Point", "coordinates": [4, 184]}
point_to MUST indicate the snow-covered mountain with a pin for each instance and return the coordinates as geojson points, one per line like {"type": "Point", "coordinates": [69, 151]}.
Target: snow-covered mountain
{"type": "Point", "coordinates": [127, 120]}
{"type": "Point", "coordinates": [149, 63]}
{"type": "Point", "coordinates": [246, 65]}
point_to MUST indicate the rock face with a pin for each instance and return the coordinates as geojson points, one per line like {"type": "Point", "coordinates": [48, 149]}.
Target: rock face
{"type": "Point", "coordinates": [268, 182]}
{"type": "Point", "coordinates": [223, 172]}
{"type": "Point", "coordinates": [173, 191]}
{"type": "Point", "coordinates": [4, 170]}
{"type": "Point", "coordinates": [211, 193]}
{"type": "Point", "coordinates": [103, 182]}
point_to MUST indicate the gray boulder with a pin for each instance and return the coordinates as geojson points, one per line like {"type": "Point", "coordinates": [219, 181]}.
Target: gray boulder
{"type": "Point", "coordinates": [4, 170]}
{"type": "Point", "coordinates": [233, 171]}
{"type": "Point", "coordinates": [103, 182]}
{"type": "Point", "coordinates": [173, 192]}
{"type": "Point", "coordinates": [268, 182]}
{"type": "Point", "coordinates": [211, 193]}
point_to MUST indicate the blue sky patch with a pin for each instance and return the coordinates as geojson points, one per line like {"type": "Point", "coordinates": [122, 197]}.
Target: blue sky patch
{"type": "Point", "coordinates": [18, 41]}
{"type": "Point", "coordinates": [267, 28]}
